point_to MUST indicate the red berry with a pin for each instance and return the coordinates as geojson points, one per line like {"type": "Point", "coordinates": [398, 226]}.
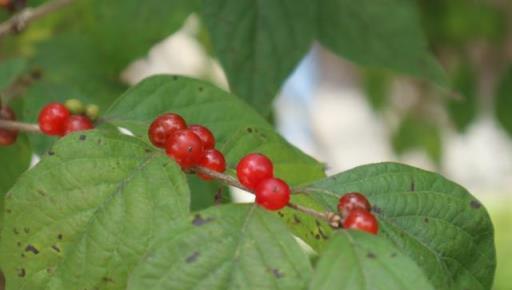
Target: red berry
{"type": "Point", "coordinates": [185, 147]}
{"type": "Point", "coordinates": [163, 127]}
{"type": "Point", "coordinates": [52, 118]}
{"type": "Point", "coordinates": [214, 160]}
{"type": "Point", "coordinates": [204, 134]}
{"type": "Point", "coordinates": [272, 194]}
{"type": "Point", "coordinates": [77, 123]}
{"type": "Point", "coordinates": [7, 137]}
{"type": "Point", "coordinates": [352, 200]}
{"type": "Point", "coordinates": [254, 168]}
{"type": "Point", "coordinates": [362, 220]}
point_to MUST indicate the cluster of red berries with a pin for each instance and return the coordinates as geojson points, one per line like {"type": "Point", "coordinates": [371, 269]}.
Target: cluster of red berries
{"type": "Point", "coordinates": [194, 145]}
{"type": "Point", "coordinates": [56, 119]}
{"type": "Point", "coordinates": [7, 137]}
{"type": "Point", "coordinates": [355, 210]}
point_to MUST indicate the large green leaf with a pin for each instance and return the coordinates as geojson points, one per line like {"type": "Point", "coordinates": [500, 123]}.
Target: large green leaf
{"type": "Point", "coordinates": [227, 247]}
{"type": "Point", "coordinates": [440, 225]}
{"type": "Point", "coordinates": [384, 34]}
{"type": "Point", "coordinates": [86, 213]}
{"type": "Point", "coordinates": [259, 43]}
{"type": "Point", "coordinates": [10, 69]}
{"type": "Point", "coordinates": [503, 102]}
{"type": "Point", "coordinates": [358, 261]}
{"type": "Point", "coordinates": [238, 128]}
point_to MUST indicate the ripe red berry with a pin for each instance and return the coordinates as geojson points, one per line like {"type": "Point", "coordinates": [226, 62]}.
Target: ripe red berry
{"type": "Point", "coordinates": [362, 220]}
{"type": "Point", "coordinates": [52, 118]}
{"type": "Point", "coordinates": [185, 147]}
{"type": "Point", "coordinates": [352, 200]}
{"type": "Point", "coordinates": [77, 123]}
{"type": "Point", "coordinates": [204, 134]}
{"type": "Point", "coordinates": [254, 168]}
{"type": "Point", "coordinates": [163, 127]}
{"type": "Point", "coordinates": [214, 160]}
{"type": "Point", "coordinates": [7, 137]}
{"type": "Point", "coordinates": [272, 194]}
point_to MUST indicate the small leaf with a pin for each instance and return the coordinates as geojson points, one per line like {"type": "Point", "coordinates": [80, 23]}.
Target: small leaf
{"type": "Point", "coordinates": [357, 261]}
{"type": "Point", "coordinates": [87, 212]}
{"type": "Point", "coordinates": [417, 133]}
{"type": "Point", "coordinates": [385, 35]}
{"type": "Point", "coordinates": [227, 247]}
{"type": "Point", "coordinates": [259, 43]}
{"type": "Point", "coordinates": [436, 222]}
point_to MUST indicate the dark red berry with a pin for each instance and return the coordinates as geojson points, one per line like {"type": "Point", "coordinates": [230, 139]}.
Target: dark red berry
{"type": "Point", "coordinates": [204, 134]}
{"type": "Point", "coordinates": [214, 160]}
{"type": "Point", "coordinates": [272, 194]}
{"type": "Point", "coordinates": [77, 123]}
{"type": "Point", "coordinates": [52, 119]}
{"type": "Point", "coordinates": [352, 200]}
{"type": "Point", "coordinates": [362, 220]}
{"type": "Point", "coordinates": [5, 3]}
{"type": "Point", "coordinates": [185, 147]}
{"type": "Point", "coordinates": [7, 137]}
{"type": "Point", "coordinates": [163, 127]}
{"type": "Point", "coordinates": [254, 168]}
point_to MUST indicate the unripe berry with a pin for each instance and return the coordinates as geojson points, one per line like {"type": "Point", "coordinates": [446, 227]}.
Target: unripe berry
{"type": "Point", "coordinates": [254, 168]}
{"type": "Point", "coordinates": [7, 137]}
{"type": "Point", "coordinates": [77, 123]}
{"type": "Point", "coordinates": [360, 219]}
{"type": "Point", "coordinates": [163, 127]}
{"type": "Point", "coordinates": [92, 111]}
{"type": "Point", "coordinates": [272, 194]}
{"type": "Point", "coordinates": [74, 106]}
{"type": "Point", "coordinates": [214, 160]}
{"type": "Point", "coordinates": [52, 118]}
{"type": "Point", "coordinates": [185, 148]}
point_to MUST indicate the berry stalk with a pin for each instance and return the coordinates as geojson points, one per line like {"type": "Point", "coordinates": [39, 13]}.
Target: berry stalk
{"type": "Point", "coordinates": [333, 219]}
{"type": "Point", "coordinates": [19, 126]}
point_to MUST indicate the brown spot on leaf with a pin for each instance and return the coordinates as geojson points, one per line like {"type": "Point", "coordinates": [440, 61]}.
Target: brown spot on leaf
{"type": "Point", "coordinates": [18, 244]}
{"type": "Point", "coordinates": [376, 209]}
{"type": "Point", "coordinates": [21, 272]}
{"type": "Point", "coordinates": [15, 231]}
{"type": "Point", "coordinates": [26, 230]}
{"type": "Point", "coordinates": [8, 210]}
{"type": "Point", "coordinates": [59, 236]}
{"type": "Point", "coordinates": [2, 281]}
{"type": "Point", "coordinates": [217, 198]}
{"type": "Point", "coordinates": [296, 219]}
{"type": "Point", "coordinates": [51, 153]}
{"type": "Point", "coordinates": [199, 220]}
{"type": "Point", "coordinates": [82, 137]}
{"type": "Point", "coordinates": [475, 204]}
{"type": "Point", "coordinates": [371, 255]}
{"type": "Point", "coordinates": [249, 130]}
{"type": "Point", "coordinates": [413, 186]}
{"type": "Point", "coordinates": [107, 279]}
{"type": "Point", "coordinates": [41, 192]}
{"type": "Point", "coordinates": [278, 274]}
{"type": "Point", "coordinates": [200, 89]}
{"type": "Point", "coordinates": [192, 258]}
{"type": "Point", "coordinates": [426, 220]}
{"type": "Point", "coordinates": [30, 248]}
{"type": "Point", "coordinates": [280, 214]}
{"type": "Point", "coordinates": [56, 248]}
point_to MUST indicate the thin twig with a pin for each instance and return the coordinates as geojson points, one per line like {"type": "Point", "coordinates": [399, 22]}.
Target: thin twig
{"type": "Point", "coordinates": [333, 219]}
{"type": "Point", "coordinates": [19, 126]}
{"type": "Point", "coordinates": [22, 19]}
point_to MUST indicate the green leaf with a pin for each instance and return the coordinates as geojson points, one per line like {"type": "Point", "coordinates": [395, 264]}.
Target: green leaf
{"type": "Point", "coordinates": [10, 69]}
{"type": "Point", "coordinates": [87, 212]}
{"type": "Point", "coordinates": [227, 247]}
{"type": "Point", "coordinates": [436, 222]}
{"type": "Point", "coordinates": [417, 133]}
{"type": "Point", "coordinates": [237, 127]}
{"type": "Point", "coordinates": [259, 43]}
{"type": "Point", "coordinates": [357, 261]}
{"type": "Point", "coordinates": [463, 110]}
{"type": "Point", "coordinates": [385, 35]}
{"type": "Point", "coordinates": [504, 102]}
{"type": "Point", "coordinates": [377, 87]}
{"type": "Point", "coordinates": [206, 193]}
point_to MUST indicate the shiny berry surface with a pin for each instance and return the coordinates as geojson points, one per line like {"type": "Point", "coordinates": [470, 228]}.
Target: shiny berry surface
{"type": "Point", "coordinates": [214, 160]}
{"type": "Point", "coordinates": [363, 220]}
{"type": "Point", "coordinates": [353, 200]}
{"type": "Point", "coordinates": [254, 168]}
{"type": "Point", "coordinates": [204, 134]}
{"type": "Point", "coordinates": [272, 194]}
{"type": "Point", "coordinates": [52, 119]}
{"type": "Point", "coordinates": [7, 137]}
{"type": "Point", "coordinates": [185, 147]}
{"type": "Point", "coordinates": [77, 123]}
{"type": "Point", "coordinates": [163, 127]}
